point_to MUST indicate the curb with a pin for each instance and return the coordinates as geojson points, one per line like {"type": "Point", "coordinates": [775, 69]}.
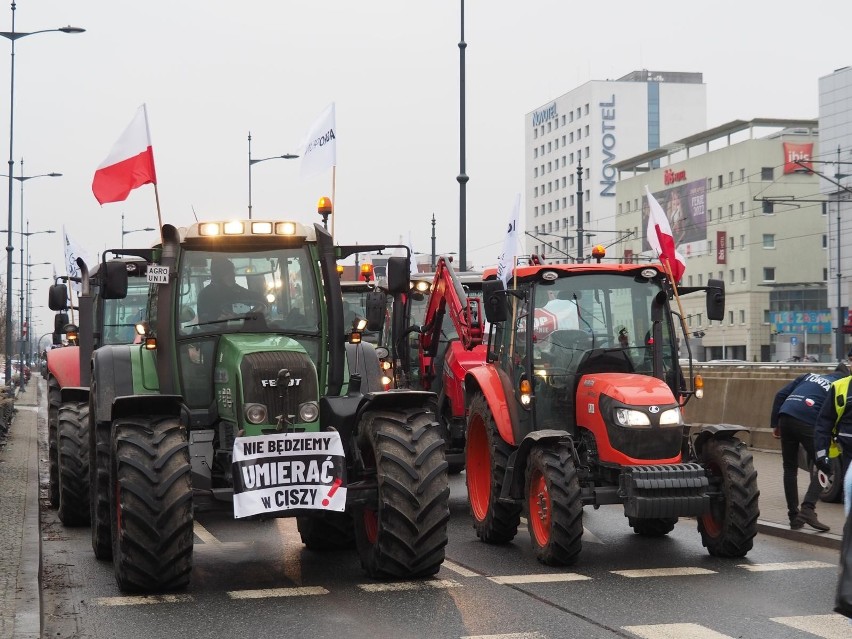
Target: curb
{"type": "Point", "coordinates": [812, 537]}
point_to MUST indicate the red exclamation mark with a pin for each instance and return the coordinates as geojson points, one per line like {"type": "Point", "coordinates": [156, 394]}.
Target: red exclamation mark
{"type": "Point", "coordinates": [333, 490]}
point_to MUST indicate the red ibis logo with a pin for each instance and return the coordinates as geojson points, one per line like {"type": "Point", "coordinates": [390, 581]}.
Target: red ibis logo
{"type": "Point", "coordinates": [797, 157]}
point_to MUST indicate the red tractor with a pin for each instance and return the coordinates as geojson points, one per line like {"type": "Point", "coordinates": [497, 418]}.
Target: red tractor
{"type": "Point", "coordinates": [580, 402]}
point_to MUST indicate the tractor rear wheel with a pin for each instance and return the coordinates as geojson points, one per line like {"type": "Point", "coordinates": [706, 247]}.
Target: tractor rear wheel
{"type": "Point", "coordinates": [54, 399]}
{"type": "Point", "coordinates": [486, 457]}
{"type": "Point", "coordinates": [99, 511]}
{"type": "Point", "coordinates": [404, 534]}
{"type": "Point", "coordinates": [728, 530]}
{"type": "Point", "coordinates": [73, 430]}
{"type": "Point", "coordinates": [327, 531]}
{"type": "Point", "coordinates": [554, 506]}
{"type": "Point", "coordinates": [652, 526]}
{"type": "Point", "coordinates": [150, 504]}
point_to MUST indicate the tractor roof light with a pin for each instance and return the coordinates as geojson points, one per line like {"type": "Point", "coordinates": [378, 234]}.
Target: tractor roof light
{"type": "Point", "coordinates": [367, 272]}
{"type": "Point", "coordinates": [599, 252]}
{"type": "Point", "coordinates": [150, 343]}
{"type": "Point", "coordinates": [324, 206]}
{"type": "Point", "coordinates": [340, 269]}
{"type": "Point", "coordinates": [234, 228]}
{"type": "Point", "coordinates": [141, 328]}
{"type": "Point", "coordinates": [261, 228]}
{"type": "Point", "coordinates": [285, 228]}
{"type": "Point", "coordinates": [209, 229]}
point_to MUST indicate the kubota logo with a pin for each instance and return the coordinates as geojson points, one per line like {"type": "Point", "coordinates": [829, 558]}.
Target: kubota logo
{"type": "Point", "coordinates": [653, 409]}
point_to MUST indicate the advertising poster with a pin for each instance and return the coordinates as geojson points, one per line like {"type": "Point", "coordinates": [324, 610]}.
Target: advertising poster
{"type": "Point", "coordinates": [686, 208]}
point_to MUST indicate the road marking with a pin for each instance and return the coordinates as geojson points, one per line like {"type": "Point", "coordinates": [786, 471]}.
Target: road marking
{"type": "Point", "coordinates": [825, 626]}
{"type": "Point", "coordinates": [509, 635]}
{"type": "Point", "coordinates": [663, 572]}
{"type": "Point", "coordinates": [303, 591]}
{"type": "Point", "coordinates": [410, 585]}
{"type": "Point", "coordinates": [675, 631]}
{"type": "Point", "coordinates": [205, 535]}
{"type": "Point", "coordinates": [787, 565]}
{"type": "Point", "coordinates": [142, 600]}
{"type": "Point", "coordinates": [459, 570]}
{"type": "Point", "coordinates": [538, 579]}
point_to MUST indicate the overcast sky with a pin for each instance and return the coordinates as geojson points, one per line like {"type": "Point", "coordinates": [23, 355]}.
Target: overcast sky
{"type": "Point", "coordinates": [211, 71]}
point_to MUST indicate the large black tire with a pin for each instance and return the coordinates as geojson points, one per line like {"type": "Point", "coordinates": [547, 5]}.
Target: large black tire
{"type": "Point", "coordinates": [99, 510]}
{"type": "Point", "coordinates": [486, 457]}
{"type": "Point", "coordinates": [554, 506]}
{"type": "Point", "coordinates": [404, 535]}
{"type": "Point", "coordinates": [728, 530]}
{"type": "Point", "coordinates": [832, 483]}
{"type": "Point", "coordinates": [73, 430]}
{"type": "Point", "coordinates": [327, 531]}
{"type": "Point", "coordinates": [54, 399]}
{"type": "Point", "coordinates": [151, 504]}
{"type": "Point", "coordinates": [651, 526]}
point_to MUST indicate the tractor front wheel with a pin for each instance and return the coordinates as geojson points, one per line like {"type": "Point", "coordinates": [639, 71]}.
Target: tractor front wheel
{"type": "Point", "coordinates": [403, 535]}
{"type": "Point", "coordinates": [150, 504]}
{"type": "Point", "coordinates": [99, 509]}
{"type": "Point", "coordinates": [728, 530]}
{"type": "Point", "coordinates": [73, 430]}
{"type": "Point", "coordinates": [486, 458]}
{"type": "Point", "coordinates": [554, 506]}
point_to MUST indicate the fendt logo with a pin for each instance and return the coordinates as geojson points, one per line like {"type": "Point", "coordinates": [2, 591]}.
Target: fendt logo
{"type": "Point", "coordinates": [267, 383]}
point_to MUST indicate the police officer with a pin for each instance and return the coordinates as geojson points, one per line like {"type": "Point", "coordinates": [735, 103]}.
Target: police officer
{"type": "Point", "coordinates": [834, 417]}
{"type": "Point", "coordinates": [794, 412]}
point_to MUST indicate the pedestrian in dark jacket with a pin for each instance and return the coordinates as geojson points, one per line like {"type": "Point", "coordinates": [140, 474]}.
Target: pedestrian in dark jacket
{"type": "Point", "coordinates": [794, 413]}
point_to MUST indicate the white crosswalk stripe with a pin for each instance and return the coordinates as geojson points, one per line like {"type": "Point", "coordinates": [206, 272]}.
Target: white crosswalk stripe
{"type": "Point", "coordinates": [459, 570]}
{"type": "Point", "coordinates": [826, 626]}
{"type": "Point", "coordinates": [538, 579]}
{"type": "Point", "coordinates": [142, 600]}
{"type": "Point", "coordinates": [399, 586]}
{"type": "Point", "coordinates": [303, 591]}
{"type": "Point", "coordinates": [675, 631]}
{"type": "Point", "coordinates": [509, 635]}
{"type": "Point", "coordinates": [786, 565]}
{"type": "Point", "coordinates": [663, 572]}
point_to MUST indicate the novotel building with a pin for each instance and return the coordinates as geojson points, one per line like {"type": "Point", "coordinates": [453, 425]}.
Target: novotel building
{"type": "Point", "coordinates": [592, 128]}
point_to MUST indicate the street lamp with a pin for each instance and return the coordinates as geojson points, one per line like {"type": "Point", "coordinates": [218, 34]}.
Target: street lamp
{"type": "Point", "coordinates": [462, 176]}
{"type": "Point", "coordinates": [123, 232]}
{"type": "Point", "coordinates": [252, 162]}
{"type": "Point", "coordinates": [12, 36]}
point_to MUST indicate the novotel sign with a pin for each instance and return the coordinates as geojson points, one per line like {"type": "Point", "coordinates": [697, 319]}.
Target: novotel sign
{"type": "Point", "coordinates": [543, 115]}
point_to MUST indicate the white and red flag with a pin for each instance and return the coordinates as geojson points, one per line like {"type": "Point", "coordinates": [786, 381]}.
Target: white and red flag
{"type": "Point", "coordinates": [129, 165]}
{"type": "Point", "coordinates": [661, 239]}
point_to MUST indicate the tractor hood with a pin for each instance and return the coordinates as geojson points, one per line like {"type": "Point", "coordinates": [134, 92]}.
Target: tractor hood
{"type": "Point", "coordinates": [627, 388]}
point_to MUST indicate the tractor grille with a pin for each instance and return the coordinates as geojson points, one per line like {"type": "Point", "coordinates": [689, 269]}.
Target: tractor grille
{"type": "Point", "coordinates": [665, 490]}
{"type": "Point", "coordinates": [260, 372]}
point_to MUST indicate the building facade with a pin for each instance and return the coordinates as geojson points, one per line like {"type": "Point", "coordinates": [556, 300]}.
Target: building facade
{"type": "Point", "coordinates": [592, 128]}
{"type": "Point", "coordinates": [834, 165]}
{"type": "Point", "coordinates": [744, 208]}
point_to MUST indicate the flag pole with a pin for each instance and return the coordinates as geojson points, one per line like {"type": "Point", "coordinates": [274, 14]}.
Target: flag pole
{"type": "Point", "coordinates": [668, 268]}
{"type": "Point", "coordinates": [159, 214]}
{"type": "Point", "coordinates": [333, 198]}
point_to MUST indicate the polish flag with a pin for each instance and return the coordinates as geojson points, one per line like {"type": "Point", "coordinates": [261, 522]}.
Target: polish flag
{"type": "Point", "coordinates": [661, 239]}
{"type": "Point", "coordinates": [129, 165]}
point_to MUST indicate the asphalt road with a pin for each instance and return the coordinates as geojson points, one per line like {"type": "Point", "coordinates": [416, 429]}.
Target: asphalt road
{"type": "Point", "coordinates": [256, 579]}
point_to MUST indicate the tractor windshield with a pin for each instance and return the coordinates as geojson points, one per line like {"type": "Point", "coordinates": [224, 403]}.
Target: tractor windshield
{"type": "Point", "coordinates": [268, 291]}
{"type": "Point", "coordinates": [577, 317]}
{"type": "Point", "coordinates": [120, 316]}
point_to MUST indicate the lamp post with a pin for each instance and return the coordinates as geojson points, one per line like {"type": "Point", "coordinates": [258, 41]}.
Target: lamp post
{"type": "Point", "coordinates": [12, 36]}
{"type": "Point", "coordinates": [125, 232]}
{"type": "Point", "coordinates": [30, 290]}
{"type": "Point", "coordinates": [462, 177]}
{"type": "Point", "coordinates": [253, 161]}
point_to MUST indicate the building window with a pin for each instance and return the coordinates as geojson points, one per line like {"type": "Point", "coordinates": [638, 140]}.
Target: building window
{"type": "Point", "coordinates": [700, 279]}
{"type": "Point", "coordinates": [768, 273]}
{"type": "Point", "coordinates": [720, 181]}
{"type": "Point", "coordinates": [586, 131]}
{"type": "Point", "coordinates": [767, 174]}
{"type": "Point", "coordinates": [709, 247]}
{"type": "Point", "coordinates": [769, 240]}
{"type": "Point", "coordinates": [731, 241]}
{"type": "Point", "coordinates": [535, 172]}
{"type": "Point", "coordinates": [825, 275]}
{"type": "Point", "coordinates": [587, 108]}
{"type": "Point", "coordinates": [731, 177]}
{"type": "Point", "coordinates": [742, 209]}
{"type": "Point", "coordinates": [549, 146]}
{"type": "Point", "coordinates": [535, 192]}
{"type": "Point", "coordinates": [742, 275]}
{"type": "Point", "coordinates": [709, 183]}
{"type": "Point", "coordinates": [709, 214]}
{"type": "Point", "coordinates": [730, 211]}
{"type": "Point", "coordinates": [768, 208]}
{"type": "Point", "coordinates": [824, 241]}
{"type": "Point", "coordinates": [572, 136]}
{"type": "Point", "coordinates": [742, 242]}
{"type": "Point", "coordinates": [535, 133]}
{"type": "Point", "coordinates": [535, 152]}
{"type": "Point", "coordinates": [731, 277]}
{"type": "Point", "coordinates": [742, 175]}
{"type": "Point", "coordinates": [742, 317]}
{"type": "Point", "coordinates": [730, 318]}
{"type": "Point", "coordinates": [689, 283]}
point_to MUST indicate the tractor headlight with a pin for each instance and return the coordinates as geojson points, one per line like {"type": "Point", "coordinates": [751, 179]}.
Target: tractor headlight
{"type": "Point", "coordinates": [670, 417]}
{"type": "Point", "coordinates": [309, 412]}
{"type": "Point", "coordinates": [631, 418]}
{"type": "Point", "coordinates": [255, 413]}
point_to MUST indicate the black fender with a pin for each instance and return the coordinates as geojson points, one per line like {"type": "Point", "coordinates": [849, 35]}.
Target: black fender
{"type": "Point", "coordinates": [74, 394]}
{"type": "Point", "coordinates": [166, 405]}
{"type": "Point", "coordinates": [112, 376]}
{"type": "Point", "coordinates": [715, 431]}
{"type": "Point", "coordinates": [516, 469]}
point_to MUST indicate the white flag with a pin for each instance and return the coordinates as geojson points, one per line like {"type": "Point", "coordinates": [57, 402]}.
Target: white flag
{"type": "Point", "coordinates": [319, 149]}
{"type": "Point", "coordinates": [506, 260]}
{"type": "Point", "coordinates": [72, 252]}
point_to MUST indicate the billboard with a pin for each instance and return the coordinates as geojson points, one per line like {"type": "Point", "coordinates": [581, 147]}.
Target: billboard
{"type": "Point", "coordinates": [686, 208]}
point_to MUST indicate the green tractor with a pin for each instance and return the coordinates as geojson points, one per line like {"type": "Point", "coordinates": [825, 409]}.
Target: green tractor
{"type": "Point", "coordinates": [249, 395]}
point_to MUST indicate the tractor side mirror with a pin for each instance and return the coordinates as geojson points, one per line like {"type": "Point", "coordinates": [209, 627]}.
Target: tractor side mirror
{"type": "Point", "coordinates": [399, 279]}
{"type": "Point", "coordinates": [494, 300]}
{"type": "Point", "coordinates": [57, 297]}
{"type": "Point", "coordinates": [376, 306]}
{"type": "Point", "coordinates": [59, 322]}
{"type": "Point", "coordinates": [715, 300]}
{"type": "Point", "coordinates": [115, 281]}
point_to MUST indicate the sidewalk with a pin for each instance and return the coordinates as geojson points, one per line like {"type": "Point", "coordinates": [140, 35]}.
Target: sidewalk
{"type": "Point", "coordinates": [20, 615]}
